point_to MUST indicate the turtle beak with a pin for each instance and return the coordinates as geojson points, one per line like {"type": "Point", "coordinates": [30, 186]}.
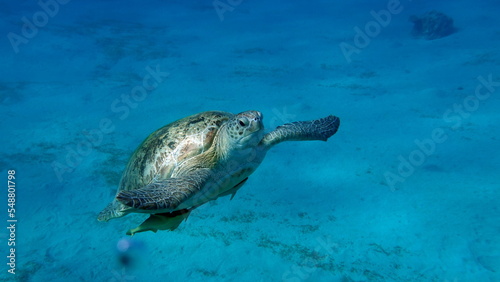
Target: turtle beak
{"type": "Point", "coordinates": [250, 122]}
{"type": "Point", "coordinates": [256, 120]}
{"type": "Point", "coordinates": [258, 115]}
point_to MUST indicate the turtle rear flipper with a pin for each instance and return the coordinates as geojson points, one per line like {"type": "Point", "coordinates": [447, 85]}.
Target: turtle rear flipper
{"type": "Point", "coordinates": [233, 190]}
{"type": "Point", "coordinates": [162, 221]}
{"type": "Point", "coordinates": [319, 129]}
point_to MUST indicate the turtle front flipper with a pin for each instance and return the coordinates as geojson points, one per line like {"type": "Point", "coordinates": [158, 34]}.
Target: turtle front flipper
{"type": "Point", "coordinates": [165, 195]}
{"type": "Point", "coordinates": [319, 129]}
{"type": "Point", "coordinates": [112, 210]}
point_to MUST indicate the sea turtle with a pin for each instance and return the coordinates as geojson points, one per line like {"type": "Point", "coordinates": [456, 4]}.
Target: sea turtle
{"type": "Point", "coordinates": [198, 159]}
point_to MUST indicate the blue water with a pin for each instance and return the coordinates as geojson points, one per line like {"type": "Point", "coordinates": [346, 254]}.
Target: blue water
{"type": "Point", "coordinates": [407, 190]}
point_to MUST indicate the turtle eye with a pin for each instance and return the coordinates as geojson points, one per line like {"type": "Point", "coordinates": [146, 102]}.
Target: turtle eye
{"type": "Point", "coordinates": [242, 122]}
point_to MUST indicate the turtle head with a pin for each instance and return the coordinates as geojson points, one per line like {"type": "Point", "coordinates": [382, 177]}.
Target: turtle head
{"type": "Point", "coordinates": [238, 139]}
{"type": "Point", "coordinates": [240, 134]}
{"type": "Point", "coordinates": [245, 129]}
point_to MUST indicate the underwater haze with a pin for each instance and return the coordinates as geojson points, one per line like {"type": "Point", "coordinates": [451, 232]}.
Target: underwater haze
{"type": "Point", "coordinates": [408, 189]}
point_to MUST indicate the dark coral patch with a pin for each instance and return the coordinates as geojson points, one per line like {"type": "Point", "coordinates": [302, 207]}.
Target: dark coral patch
{"type": "Point", "coordinates": [432, 25]}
